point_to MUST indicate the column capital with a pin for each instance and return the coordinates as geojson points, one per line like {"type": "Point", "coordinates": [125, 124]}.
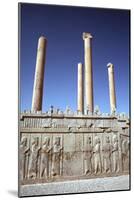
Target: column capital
{"type": "Point", "coordinates": [110, 65]}
{"type": "Point", "coordinates": [80, 63]}
{"type": "Point", "coordinates": [42, 38]}
{"type": "Point", "coordinates": [86, 35]}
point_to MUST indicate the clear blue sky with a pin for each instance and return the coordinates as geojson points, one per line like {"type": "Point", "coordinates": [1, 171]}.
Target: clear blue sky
{"type": "Point", "coordinates": [63, 28]}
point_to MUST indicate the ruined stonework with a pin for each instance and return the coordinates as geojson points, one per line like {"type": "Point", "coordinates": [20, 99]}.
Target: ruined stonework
{"type": "Point", "coordinates": [66, 146]}
{"type": "Point", "coordinates": [58, 146]}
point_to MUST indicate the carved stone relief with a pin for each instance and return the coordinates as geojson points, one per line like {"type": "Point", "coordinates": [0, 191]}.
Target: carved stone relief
{"type": "Point", "coordinates": [89, 123]}
{"type": "Point", "coordinates": [87, 156]}
{"type": "Point", "coordinates": [69, 142]}
{"type": "Point", "coordinates": [125, 153]}
{"type": "Point", "coordinates": [115, 154]}
{"type": "Point", "coordinates": [46, 123]}
{"type": "Point", "coordinates": [57, 123]}
{"type": "Point", "coordinates": [45, 156]}
{"type": "Point", "coordinates": [98, 123]}
{"type": "Point", "coordinates": [24, 157]}
{"type": "Point", "coordinates": [72, 123]}
{"type": "Point", "coordinates": [49, 156]}
{"type": "Point", "coordinates": [107, 123]}
{"type": "Point", "coordinates": [70, 154]}
{"type": "Point", "coordinates": [107, 150]}
{"type": "Point", "coordinates": [57, 157]}
{"type": "Point", "coordinates": [34, 158]}
{"type": "Point", "coordinates": [97, 156]}
{"type": "Point", "coordinates": [81, 123]}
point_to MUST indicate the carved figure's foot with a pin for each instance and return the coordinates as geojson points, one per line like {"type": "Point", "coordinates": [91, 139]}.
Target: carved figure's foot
{"type": "Point", "coordinates": [54, 174]}
{"type": "Point", "coordinates": [86, 172]}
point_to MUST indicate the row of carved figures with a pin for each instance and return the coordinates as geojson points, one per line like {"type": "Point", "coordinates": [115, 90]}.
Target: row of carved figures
{"type": "Point", "coordinates": [108, 150]}
{"type": "Point", "coordinates": [34, 161]}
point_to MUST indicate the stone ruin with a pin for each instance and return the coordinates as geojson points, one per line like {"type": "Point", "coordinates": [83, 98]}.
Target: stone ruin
{"type": "Point", "coordinates": [65, 145]}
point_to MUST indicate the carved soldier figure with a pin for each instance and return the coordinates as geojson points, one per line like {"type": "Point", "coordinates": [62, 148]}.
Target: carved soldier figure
{"type": "Point", "coordinates": [97, 158]}
{"type": "Point", "coordinates": [115, 154]}
{"type": "Point", "coordinates": [34, 158]}
{"type": "Point", "coordinates": [88, 150]}
{"type": "Point", "coordinates": [125, 152]}
{"type": "Point", "coordinates": [24, 157]}
{"type": "Point", "coordinates": [56, 157]}
{"type": "Point", "coordinates": [44, 164]}
{"type": "Point", "coordinates": [107, 150]}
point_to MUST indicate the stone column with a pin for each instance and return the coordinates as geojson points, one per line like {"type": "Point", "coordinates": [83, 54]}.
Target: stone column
{"type": "Point", "coordinates": [87, 37]}
{"type": "Point", "coordinates": [39, 75]}
{"type": "Point", "coordinates": [111, 87]}
{"type": "Point", "coordinates": [80, 98]}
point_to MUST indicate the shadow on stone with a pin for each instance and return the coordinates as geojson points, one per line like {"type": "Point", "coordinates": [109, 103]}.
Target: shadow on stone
{"type": "Point", "coordinates": [13, 192]}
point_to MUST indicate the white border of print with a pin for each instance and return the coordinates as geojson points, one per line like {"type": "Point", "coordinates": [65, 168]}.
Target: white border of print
{"type": "Point", "coordinates": [9, 97]}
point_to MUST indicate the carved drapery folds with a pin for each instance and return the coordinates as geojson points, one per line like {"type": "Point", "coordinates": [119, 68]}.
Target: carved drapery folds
{"type": "Point", "coordinates": [115, 152]}
{"type": "Point", "coordinates": [34, 159]}
{"type": "Point", "coordinates": [88, 152]}
{"type": "Point", "coordinates": [125, 153]}
{"type": "Point", "coordinates": [46, 157]}
{"type": "Point", "coordinates": [97, 156]}
{"type": "Point", "coordinates": [107, 150]}
{"type": "Point", "coordinates": [24, 157]}
{"type": "Point", "coordinates": [56, 157]}
{"type": "Point", "coordinates": [45, 153]}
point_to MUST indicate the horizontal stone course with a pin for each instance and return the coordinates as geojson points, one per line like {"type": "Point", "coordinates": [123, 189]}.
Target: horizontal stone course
{"type": "Point", "coordinates": [77, 186]}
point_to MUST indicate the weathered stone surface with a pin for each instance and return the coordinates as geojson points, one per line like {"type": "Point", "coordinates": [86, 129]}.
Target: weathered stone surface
{"type": "Point", "coordinates": [111, 87]}
{"type": "Point", "coordinates": [69, 142]}
{"type": "Point", "coordinates": [77, 186]}
{"type": "Point", "coordinates": [39, 75]}
{"type": "Point", "coordinates": [73, 146]}
{"type": "Point", "coordinates": [98, 123]}
{"type": "Point", "coordinates": [80, 90]}
{"type": "Point", "coordinates": [87, 37]}
{"type": "Point", "coordinates": [61, 147]}
{"type": "Point", "coordinates": [56, 147]}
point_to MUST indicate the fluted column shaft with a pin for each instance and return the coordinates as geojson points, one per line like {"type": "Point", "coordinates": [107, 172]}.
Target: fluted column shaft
{"type": "Point", "coordinates": [88, 71]}
{"type": "Point", "coordinates": [112, 94]}
{"type": "Point", "coordinates": [39, 75]}
{"type": "Point", "coordinates": [80, 97]}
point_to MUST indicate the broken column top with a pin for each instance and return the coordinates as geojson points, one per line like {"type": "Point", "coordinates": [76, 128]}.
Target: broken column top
{"type": "Point", "coordinates": [110, 67]}
{"type": "Point", "coordinates": [41, 43]}
{"type": "Point", "coordinates": [42, 37]}
{"type": "Point", "coordinates": [79, 63]}
{"type": "Point", "coordinates": [87, 35]}
{"type": "Point", "coordinates": [109, 64]}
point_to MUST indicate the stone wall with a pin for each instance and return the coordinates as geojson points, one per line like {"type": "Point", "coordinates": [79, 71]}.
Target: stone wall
{"type": "Point", "coordinates": [70, 146]}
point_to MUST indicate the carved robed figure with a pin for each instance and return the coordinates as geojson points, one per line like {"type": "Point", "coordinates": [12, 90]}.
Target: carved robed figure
{"type": "Point", "coordinates": [125, 154]}
{"type": "Point", "coordinates": [44, 164]}
{"type": "Point", "coordinates": [56, 157]}
{"type": "Point", "coordinates": [115, 152]}
{"type": "Point", "coordinates": [24, 157]}
{"type": "Point", "coordinates": [107, 150]}
{"type": "Point", "coordinates": [97, 157]}
{"type": "Point", "coordinates": [34, 159]}
{"type": "Point", "coordinates": [88, 151]}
